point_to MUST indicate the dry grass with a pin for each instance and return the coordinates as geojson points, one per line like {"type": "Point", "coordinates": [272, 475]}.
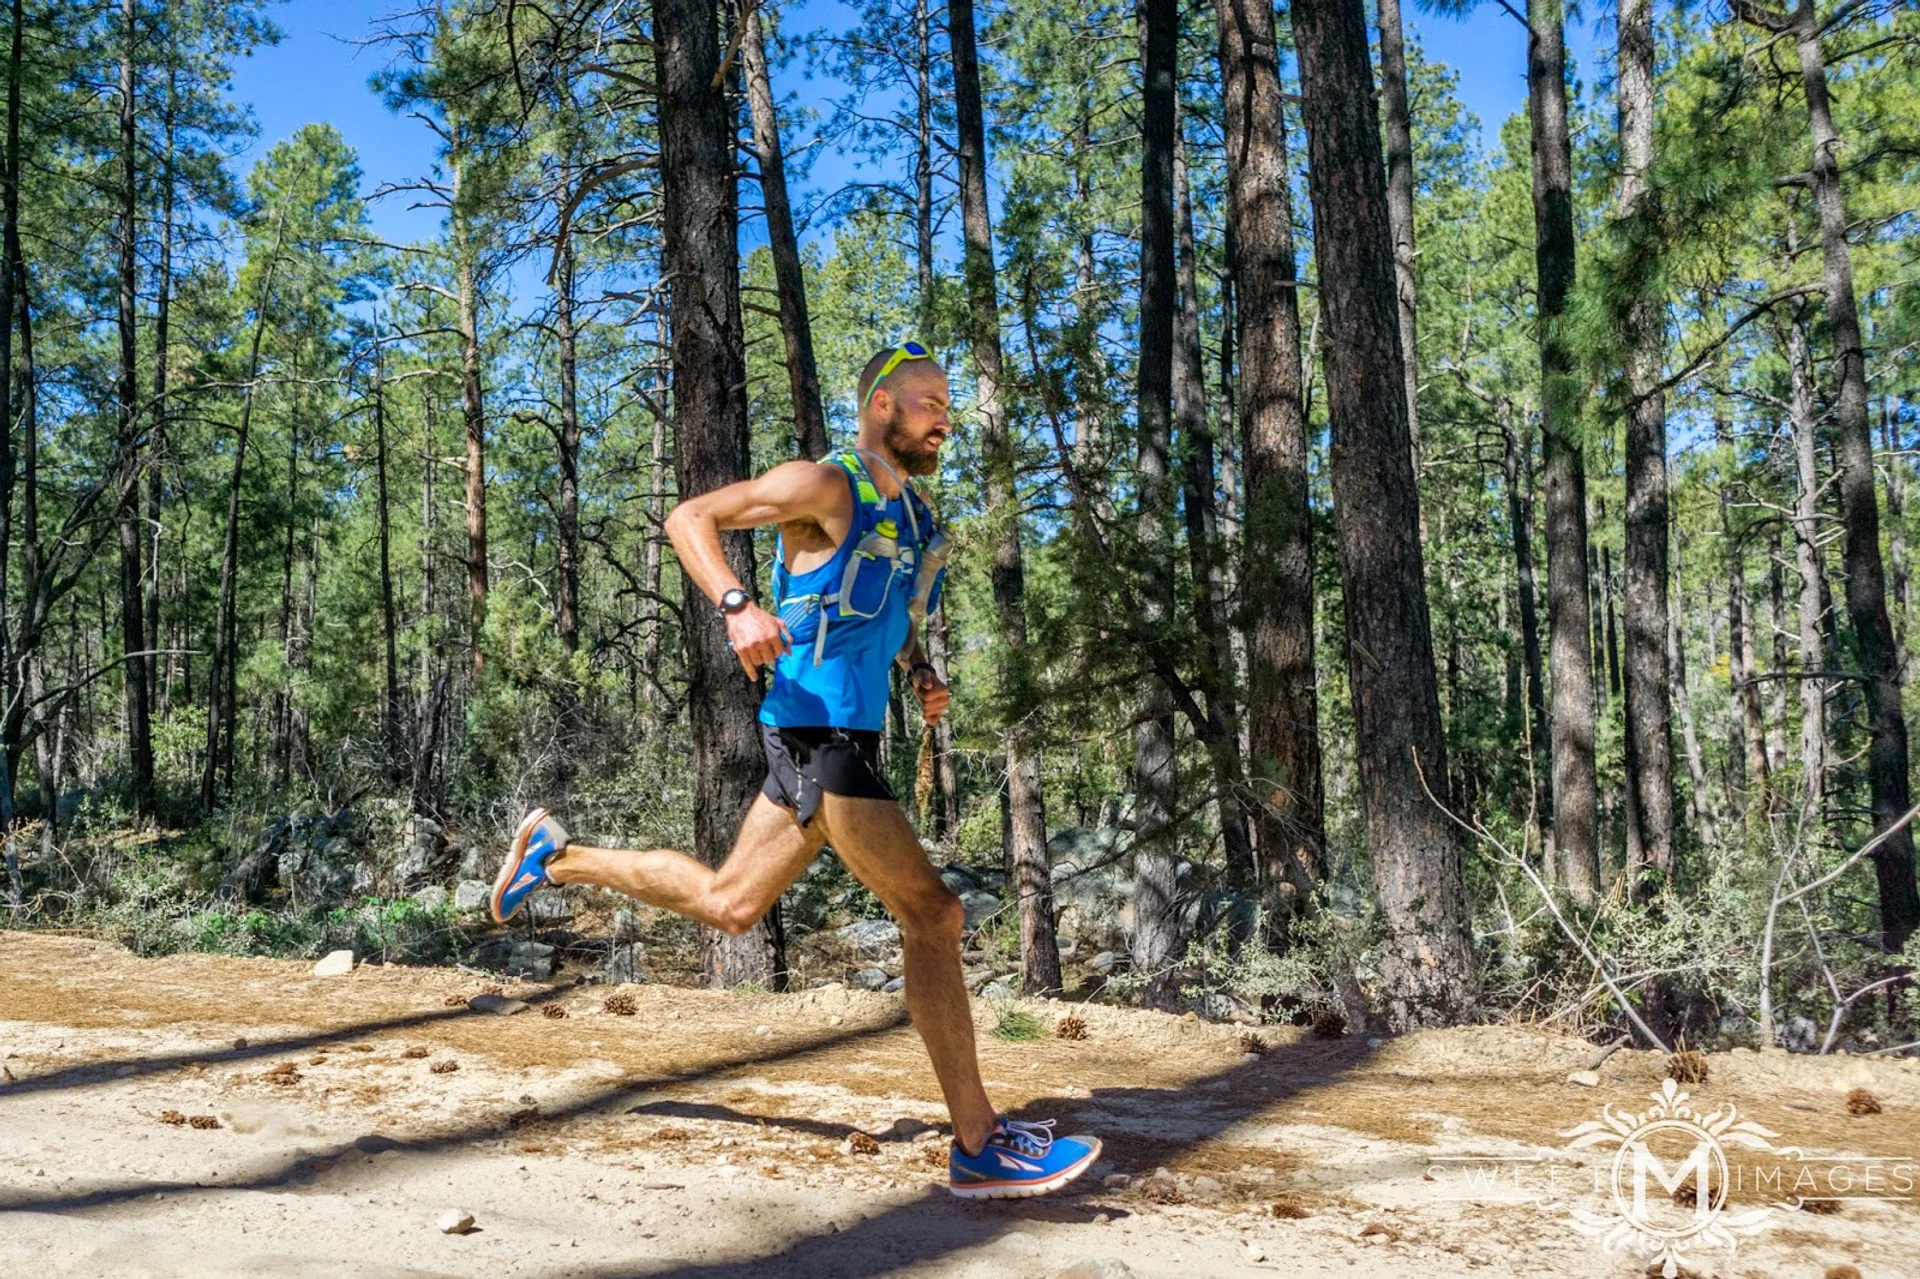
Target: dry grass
{"type": "Point", "coordinates": [553, 1010]}
{"type": "Point", "coordinates": [1287, 1208]}
{"type": "Point", "coordinates": [1381, 1229]}
{"type": "Point", "coordinates": [621, 1004]}
{"type": "Point", "coordinates": [1072, 1026]}
{"type": "Point", "coordinates": [1687, 1067]}
{"type": "Point", "coordinates": [416, 1052]}
{"type": "Point", "coordinates": [446, 1067]}
{"type": "Point", "coordinates": [1252, 1043]}
{"type": "Point", "coordinates": [1861, 1102]}
{"type": "Point", "coordinates": [1686, 1194]}
{"type": "Point", "coordinates": [1821, 1207]}
{"type": "Point", "coordinates": [283, 1075]}
{"type": "Point", "coordinates": [934, 1156]}
{"type": "Point", "coordinates": [673, 1134]}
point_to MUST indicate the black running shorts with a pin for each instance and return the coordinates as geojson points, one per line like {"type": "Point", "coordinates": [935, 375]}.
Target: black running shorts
{"type": "Point", "coordinates": [802, 763]}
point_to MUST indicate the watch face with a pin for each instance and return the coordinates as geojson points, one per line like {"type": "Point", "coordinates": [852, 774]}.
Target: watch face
{"type": "Point", "coordinates": [733, 601]}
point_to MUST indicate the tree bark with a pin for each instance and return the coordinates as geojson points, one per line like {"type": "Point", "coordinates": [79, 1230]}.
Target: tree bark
{"type": "Point", "coordinates": [1039, 948]}
{"type": "Point", "coordinates": [127, 396]}
{"type": "Point", "coordinates": [157, 456]}
{"type": "Point", "coordinates": [1519, 478]}
{"type": "Point", "coordinates": [701, 262]}
{"type": "Point", "coordinates": [1393, 97]}
{"type": "Point", "coordinates": [1276, 565]}
{"type": "Point", "coordinates": [1575, 835]}
{"type": "Point", "coordinates": [223, 681]}
{"type": "Point", "coordinates": [1649, 708]}
{"type": "Point", "coordinates": [1427, 969]}
{"type": "Point", "coordinates": [473, 414]}
{"type": "Point", "coordinates": [389, 622]}
{"type": "Point", "coordinates": [1807, 559]}
{"type": "Point", "coordinates": [1156, 933]}
{"type": "Point", "coordinates": [1217, 675]}
{"type": "Point", "coordinates": [567, 514]}
{"type": "Point", "coordinates": [1887, 763]}
{"type": "Point", "coordinates": [796, 329]}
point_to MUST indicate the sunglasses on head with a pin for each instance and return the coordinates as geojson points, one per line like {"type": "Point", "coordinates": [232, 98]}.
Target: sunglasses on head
{"type": "Point", "coordinates": [901, 354]}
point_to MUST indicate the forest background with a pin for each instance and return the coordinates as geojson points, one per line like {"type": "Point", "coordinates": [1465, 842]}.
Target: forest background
{"type": "Point", "coordinates": [1419, 569]}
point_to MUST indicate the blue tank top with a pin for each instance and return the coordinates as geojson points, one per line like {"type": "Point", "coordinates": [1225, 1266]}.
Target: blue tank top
{"type": "Point", "coordinates": [849, 617]}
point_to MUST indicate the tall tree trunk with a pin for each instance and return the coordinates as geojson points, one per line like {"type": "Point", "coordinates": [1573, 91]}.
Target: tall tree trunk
{"type": "Point", "coordinates": [923, 143]}
{"type": "Point", "coordinates": [223, 681]}
{"type": "Point", "coordinates": [796, 329]}
{"type": "Point", "coordinates": [473, 414]}
{"type": "Point", "coordinates": [567, 515]}
{"type": "Point", "coordinates": [1742, 672]}
{"type": "Point", "coordinates": [1039, 949]}
{"type": "Point", "coordinates": [157, 457]}
{"type": "Point", "coordinates": [1703, 817]}
{"type": "Point", "coordinates": [1887, 764]}
{"type": "Point", "coordinates": [1276, 564]}
{"type": "Point", "coordinates": [1898, 472]}
{"type": "Point", "coordinates": [1519, 479]}
{"type": "Point", "coordinates": [1649, 708]}
{"type": "Point", "coordinates": [1156, 933]}
{"type": "Point", "coordinates": [10, 269]}
{"type": "Point", "coordinates": [1203, 540]}
{"type": "Point", "coordinates": [389, 624]}
{"type": "Point", "coordinates": [1393, 97]}
{"type": "Point", "coordinates": [132, 579]}
{"type": "Point", "coordinates": [1807, 559]}
{"type": "Point", "coordinates": [702, 263]}
{"type": "Point", "coordinates": [1777, 627]}
{"type": "Point", "coordinates": [1427, 968]}
{"type": "Point", "coordinates": [1575, 834]}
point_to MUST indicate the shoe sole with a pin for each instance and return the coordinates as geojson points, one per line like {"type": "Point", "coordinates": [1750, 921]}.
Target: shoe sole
{"type": "Point", "coordinates": [515, 851]}
{"type": "Point", "coordinates": [1028, 1190]}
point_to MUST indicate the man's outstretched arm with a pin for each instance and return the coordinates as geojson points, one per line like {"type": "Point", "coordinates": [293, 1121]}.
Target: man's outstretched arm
{"type": "Point", "coordinates": [788, 493]}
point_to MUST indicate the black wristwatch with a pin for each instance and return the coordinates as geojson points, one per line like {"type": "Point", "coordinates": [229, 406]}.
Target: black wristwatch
{"type": "Point", "coordinates": [733, 601]}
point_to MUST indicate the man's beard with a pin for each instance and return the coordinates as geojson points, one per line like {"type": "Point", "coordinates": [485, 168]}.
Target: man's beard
{"type": "Point", "coordinates": [916, 457]}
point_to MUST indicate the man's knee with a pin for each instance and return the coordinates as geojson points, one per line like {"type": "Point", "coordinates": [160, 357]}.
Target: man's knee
{"type": "Point", "coordinates": [935, 912]}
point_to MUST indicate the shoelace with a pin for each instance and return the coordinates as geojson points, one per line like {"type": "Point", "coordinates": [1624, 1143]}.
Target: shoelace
{"type": "Point", "coordinates": [1032, 1139]}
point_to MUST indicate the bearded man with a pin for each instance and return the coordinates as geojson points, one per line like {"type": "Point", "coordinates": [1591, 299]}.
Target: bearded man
{"type": "Point", "coordinates": [859, 566]}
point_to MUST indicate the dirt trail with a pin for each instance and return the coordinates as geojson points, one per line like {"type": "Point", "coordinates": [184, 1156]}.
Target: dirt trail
{"type": "Point", "coordinates": [707, 1136]}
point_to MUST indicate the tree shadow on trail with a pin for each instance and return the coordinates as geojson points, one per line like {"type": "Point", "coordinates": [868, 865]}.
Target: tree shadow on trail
{"type": "Point", "coordinates": [284, 1172]}
{"type": "Point", "coordinates": [1143, 1127]}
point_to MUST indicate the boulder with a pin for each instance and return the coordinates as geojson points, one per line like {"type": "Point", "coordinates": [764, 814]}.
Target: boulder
{"type": "Point", "coordinates": [872, 936]}
{"type": "Point", "coordinates": [1105, 961]}
{"type": "Point", "coordinates": [432, 898]}
{"type": "Point", "coordinates": [997, 989]}
{"type": "Point", "coordinates": [894, 986]}
{"type": "Point", "coordinates": [476, 862]}
{"type": "Point", "coordinates": [623, 964]}
{"type": "Point", "coordinates": [1799, 1035]}
{"type": "Point", "coordinates": [421, 843]}
{"type": "Point", "coordinates": [548, 909]}
{"type": "Point", "coordinates": [530, 959]}
{"type": "Point", "coordinates": [336, 963]}
{"type": "Point", "coordinates": [958, 879]}
{"type": "Point", "coordinates": [870, 978]}
{"type": "Point", "coordinates": [471, 894]}
{"type": "Point", "coordinates": [980, 906]}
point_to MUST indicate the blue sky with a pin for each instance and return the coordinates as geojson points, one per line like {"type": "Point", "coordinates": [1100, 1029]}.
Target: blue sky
{"type": "Point", "coordinates": [318, 73]}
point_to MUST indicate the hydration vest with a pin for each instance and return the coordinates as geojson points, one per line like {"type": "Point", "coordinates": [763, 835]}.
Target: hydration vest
{"type": "Point", "coordinates": [850, 616]}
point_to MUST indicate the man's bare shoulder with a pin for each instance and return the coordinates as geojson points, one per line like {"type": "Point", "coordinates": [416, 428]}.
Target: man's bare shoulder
{"type": "Point", "coordinates": [808, 490]}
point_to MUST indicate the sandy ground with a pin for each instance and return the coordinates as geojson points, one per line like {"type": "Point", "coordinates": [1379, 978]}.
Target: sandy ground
{"type": "Point", "coordinates": [713, 1136]}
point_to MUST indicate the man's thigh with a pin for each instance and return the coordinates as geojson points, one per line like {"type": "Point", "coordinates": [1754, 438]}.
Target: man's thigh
{"type": "Point", "coordinates": [877, 843]}
{"type": "Point", "coordinates": [769, 853]}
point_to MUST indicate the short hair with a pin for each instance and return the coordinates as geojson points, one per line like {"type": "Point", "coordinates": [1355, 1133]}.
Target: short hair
{"type": "Point", "coordinates": [869, 372]}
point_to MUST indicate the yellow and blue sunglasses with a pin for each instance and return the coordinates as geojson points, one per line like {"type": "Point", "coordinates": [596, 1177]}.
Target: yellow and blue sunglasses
{"type": "Point", "coordinates": [901, 354]}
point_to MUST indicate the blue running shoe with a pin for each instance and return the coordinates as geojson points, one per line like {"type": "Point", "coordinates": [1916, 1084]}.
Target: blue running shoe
{"type": "Point", "coordinates": [525, 869]}
{"type": "Point", "coordinates": [1018, 1161]}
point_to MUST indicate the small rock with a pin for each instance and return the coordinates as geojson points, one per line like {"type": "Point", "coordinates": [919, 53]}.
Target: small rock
{"type": "Point", "coordinates": [432, 898]}
{"type": "Point", "coordinates": [1117, 1181]}
{"type": "Point", "coordinates": [998, 988]}
{"type": "Point", "coordinates": [980, 907]}
{"type": "Point", "coordinates": [1585, 1078]}
{"type": "Point", "coordinates": [336, 964]}
{"type": "Point", "coordinates": [894, 986]}
{"type": "Point", "coordinates": [870, 978]}
{"type": "Point", "coordinates": [872, 936]}
{"type": "Point", "coordinates": [763, 1030]}
{"type": "Point", "coordinates": [1094, 1268]}
{"type": "Point", "coordinates": [1205, 1188]}
{"type": "Point", "coordinates": [455, 1222]}
{"type": "Point", "coordinates": [497, 1004]}
{"type": "Point", "coordinates": [471, 894]}
{"type": "Point", "coordinates": [1255, 1252]}
{"type": "Point", "coordinates": [240, 1044]}
{"type": "Point", "coordinates": [375, 1143]}
{"type": "Point", "coordinates": [1104, 961]}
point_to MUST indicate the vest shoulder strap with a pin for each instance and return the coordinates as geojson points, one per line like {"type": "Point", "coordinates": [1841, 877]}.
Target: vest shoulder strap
{"type": "Point", "coordinates": [863, 483]}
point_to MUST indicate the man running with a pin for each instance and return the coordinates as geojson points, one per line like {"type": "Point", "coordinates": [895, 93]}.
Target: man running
{"type": "Point", "coordinates": [859, 563]}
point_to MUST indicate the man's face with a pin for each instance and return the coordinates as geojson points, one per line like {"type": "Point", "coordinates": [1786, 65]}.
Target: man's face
{"type": "Point", "coordinates": [919, 417]}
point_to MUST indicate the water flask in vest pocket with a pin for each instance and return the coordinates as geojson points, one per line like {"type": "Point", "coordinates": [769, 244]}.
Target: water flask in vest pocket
{"type": "Point", "coordinates": [869, 576]}
{"type": "Point", "coordinates": [929, 576]}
